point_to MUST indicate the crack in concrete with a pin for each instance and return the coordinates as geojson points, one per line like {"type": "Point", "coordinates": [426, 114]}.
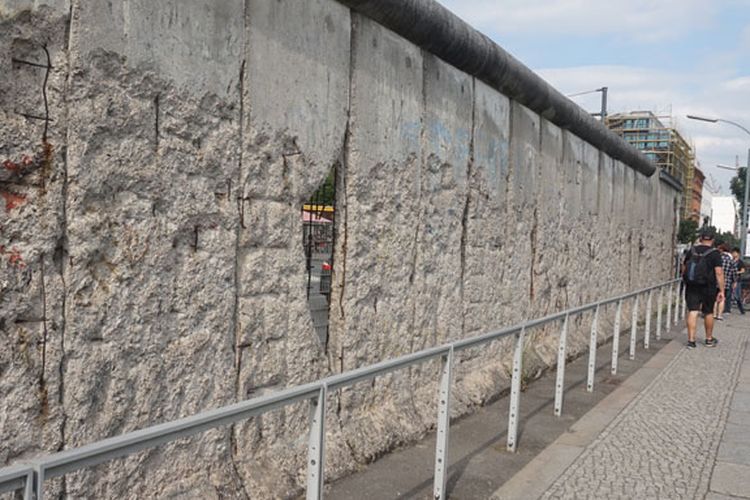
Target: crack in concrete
{"type": "Point", "coordinates": [42, 380]}
{"type": "Point", "coordinates": [345, 152]}
{"type": "Point", "coordinates": [156, 123]}
{"type": "Point", "coordinates": [465, 214]}
{"type": "Point", "coordinates": [533, 237]}
{"type": "Point", "coordinates": [61, 255]}
{"type": "Point", "coordinates": [236, 332]}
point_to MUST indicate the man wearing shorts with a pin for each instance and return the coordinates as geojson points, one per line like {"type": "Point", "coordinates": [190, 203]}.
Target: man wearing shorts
{"type": "Point", "coordinates": [703, 286]}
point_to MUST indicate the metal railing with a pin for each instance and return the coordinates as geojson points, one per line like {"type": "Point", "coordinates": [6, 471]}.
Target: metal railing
{"type": "Point", "coordinates": [31, 476]}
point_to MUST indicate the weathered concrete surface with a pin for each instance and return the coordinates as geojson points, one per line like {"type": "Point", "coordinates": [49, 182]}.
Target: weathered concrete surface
{"type": "Point", "coordinates": [151, 258]}
{"type": "Point", "coordinates": [373, 300]}
{"type": "Point", "coordinates": [295, 111]}
{"type": "Point", "coordinates": [32, 194]}
{"type": "Point", "coordinates": [150, 225]}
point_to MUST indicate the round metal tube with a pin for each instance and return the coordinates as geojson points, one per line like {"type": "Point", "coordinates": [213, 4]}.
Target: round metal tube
{"type": "Point", "coordinates": [434, 28]}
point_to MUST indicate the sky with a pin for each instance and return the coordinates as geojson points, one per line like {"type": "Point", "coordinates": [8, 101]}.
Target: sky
{"type": "Point", "coordinates": [673, 57]}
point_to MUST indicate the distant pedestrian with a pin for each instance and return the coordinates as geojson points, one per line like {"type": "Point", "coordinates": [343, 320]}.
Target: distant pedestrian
{"type": "Point", "coordinates": [737, 291]}
{"type": "Point", "coordinates": [704, 282]}
{"type": "Point", "coordinates": [730, 277]}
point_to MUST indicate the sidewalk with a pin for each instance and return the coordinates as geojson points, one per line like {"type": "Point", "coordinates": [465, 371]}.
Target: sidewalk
{"type": "Point", "coordinates": [479, 462]}
{"type": "Point", "coordinates": [677, 428]}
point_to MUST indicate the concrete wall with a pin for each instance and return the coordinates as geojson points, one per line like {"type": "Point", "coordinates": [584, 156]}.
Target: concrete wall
{"type": "Point", "coordinates": [151, 263]}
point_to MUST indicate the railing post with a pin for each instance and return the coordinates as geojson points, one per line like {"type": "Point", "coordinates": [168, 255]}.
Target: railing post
{"type": "Point", "coordinates": [616, 338]}
{"type": "Point", "coordinates": [659, 307]}
{"type": "Point", "coordinates": [684, 301]}
{"type": "Point", "coordinates": [592, 350]}
{"type": "Point", "coordinates": [515, 390]}
{"type": "Point", "coordinates": [647, 326]}
{"type": "Point", "coordinates": [316, 446]}
{"type": "Point", "coordinates": [668, 319]}
{"type": "Point", "coordinates": [561, 357]}
{"type": "Point", "coordinates": [28, 488]}
{"type": "Point", "coordinates": [634, 328]}
{"type": "Point", "coordinates": [38, 484]}
{"type": "Point", "coordinates": [443, 426]}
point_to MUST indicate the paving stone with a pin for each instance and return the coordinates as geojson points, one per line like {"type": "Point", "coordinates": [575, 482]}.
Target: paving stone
{"type": "Point", "coordinates": [739, 417]}
{"type": "Point", "coordinates": [717, 496]}
{"type": "Point", "coordinates": [731, 479]}
{"type": "Point", "coordinates": [741, 401]}
{"type": "Point", "coordinates": [664, 443]}
{"type": "Point", "coordinates": [734, 452]}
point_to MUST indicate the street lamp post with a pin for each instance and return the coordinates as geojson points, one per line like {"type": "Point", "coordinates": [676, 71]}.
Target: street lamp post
{"type": "Point", "coordinates": [743, 226]}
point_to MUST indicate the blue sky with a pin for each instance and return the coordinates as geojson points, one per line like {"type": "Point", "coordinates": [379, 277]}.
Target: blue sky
{"type": "Point", "coordinates": [672, 57]}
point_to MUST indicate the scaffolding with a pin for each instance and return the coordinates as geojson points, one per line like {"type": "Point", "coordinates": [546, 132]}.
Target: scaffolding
{"type": "Point", "coordinates": [661, 143]}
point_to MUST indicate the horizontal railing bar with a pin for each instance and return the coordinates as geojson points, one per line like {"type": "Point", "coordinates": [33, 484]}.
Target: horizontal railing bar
{"type": "Point", "coordinates": [57, 464]}
{"type": "Point", "coordinates": [66, 461]}
{"type": "Point", "coordinates": [487, 337]}
{"type": "Point", "coordinates": [462, 344]}
{"type": "Point", "coordinates": [367, 372]}
{"type": "Point", "coordinates": [14, 477]}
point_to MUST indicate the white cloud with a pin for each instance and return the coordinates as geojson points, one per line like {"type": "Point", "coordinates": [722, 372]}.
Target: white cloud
{"type": "Point", "coordinates": [642, 20]}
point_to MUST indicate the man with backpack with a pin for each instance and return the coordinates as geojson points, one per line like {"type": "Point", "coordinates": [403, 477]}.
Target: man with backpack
{"type": "Point", "coordinates": [704, 283]}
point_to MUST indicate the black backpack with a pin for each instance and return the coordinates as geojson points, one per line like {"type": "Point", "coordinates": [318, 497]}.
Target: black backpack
{"type": "Point", "coordinates": [697, 271]}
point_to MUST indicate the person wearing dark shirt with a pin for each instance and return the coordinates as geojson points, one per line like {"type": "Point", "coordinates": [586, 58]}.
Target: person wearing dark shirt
{"type": "Point", "coordinates": [702, 297]}
{"type": "Point", "coordinates": [730, 277]}
{"type": "Point", "coordinates": [737, 291]}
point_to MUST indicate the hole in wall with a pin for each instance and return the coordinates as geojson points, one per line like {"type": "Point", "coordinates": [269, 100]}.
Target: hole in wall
{"type": "Point", "coordinates": [318, 218]}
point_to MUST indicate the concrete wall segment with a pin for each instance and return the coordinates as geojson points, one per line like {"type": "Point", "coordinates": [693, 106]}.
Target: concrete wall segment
{"type": "Point", "coordinates": [375, 312]}
{"type": "Point", "coordinates": [573, 174]}
{"type": "Point", "coordinates": [487, 216]}
{"type": "Point", "coordinates": [525, 143]}
{"type": "Point", "coordinates": [606, 186]}
{"type": "Point", "coordinates": [552, 176]}
{"type": "Point", "coordinates": [167, 248]}
{"type": "Point", "coordinates": [589, 179]}
{"type": "Point", "coordinates": [491, 137]}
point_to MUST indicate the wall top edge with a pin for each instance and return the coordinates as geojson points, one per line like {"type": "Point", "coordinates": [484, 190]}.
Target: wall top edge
{"type": "Point", "coordinates": [670, 180]}
{"type": "Point", "coordinates": [434, 28]}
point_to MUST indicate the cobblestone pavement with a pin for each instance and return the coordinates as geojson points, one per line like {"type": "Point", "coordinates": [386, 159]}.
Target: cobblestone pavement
{"type": "Point", "coordinates": [664, 443]}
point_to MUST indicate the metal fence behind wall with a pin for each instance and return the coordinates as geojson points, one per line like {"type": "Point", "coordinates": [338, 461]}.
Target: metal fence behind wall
{"type": "Point", "coordinates": [30, 476]}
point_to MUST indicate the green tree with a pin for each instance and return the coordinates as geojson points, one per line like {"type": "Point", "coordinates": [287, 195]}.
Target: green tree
{"type": "Point", "coordinates": [728, 239]}
{"type": "Point", "coordinates": [326, 193]}
{"type": "Point", "coordinates": [687, 231]}
{"type": "Point", "coordinates": [737, 185]}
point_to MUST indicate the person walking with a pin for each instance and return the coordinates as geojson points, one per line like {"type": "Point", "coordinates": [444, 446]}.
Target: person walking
{"type": "Point", "coordinates": [704, 282]}
{"type": "Point", "coordinates": [730, 277]}
{"type": "Point", "coordinates": [737, 291]}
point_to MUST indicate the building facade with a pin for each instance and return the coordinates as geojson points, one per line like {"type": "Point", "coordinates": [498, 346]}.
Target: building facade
{"type": "Point", "coordinates": [696, 197]}
{"type": "Point", "coordinates": [666, 147]}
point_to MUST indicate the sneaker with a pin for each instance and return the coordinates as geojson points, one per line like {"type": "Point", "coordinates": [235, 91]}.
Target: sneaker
{"type": "Point", "coordinates": [719, 318]}
{"type": "Point", "coordinates": [711, 342]}
{"type": "Point", "coordinates": [690, 345]}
